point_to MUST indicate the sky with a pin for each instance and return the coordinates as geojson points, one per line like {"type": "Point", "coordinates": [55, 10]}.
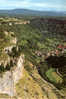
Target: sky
{"type": "Point", "coordinates": [42, 5]}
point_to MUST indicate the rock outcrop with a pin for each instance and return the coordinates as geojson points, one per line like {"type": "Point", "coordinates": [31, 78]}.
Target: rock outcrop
{"type": "Point", "coordinates": [10, 78]}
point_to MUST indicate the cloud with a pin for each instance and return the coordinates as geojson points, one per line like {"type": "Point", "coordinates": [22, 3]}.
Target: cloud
{"type": "Point", "coordinates": [34, 4]}
{"type": "Point", "coordinates": [14, 3]}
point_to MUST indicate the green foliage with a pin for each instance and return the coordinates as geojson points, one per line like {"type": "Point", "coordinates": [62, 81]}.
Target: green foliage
{"type": "Point", "coordinates": [32, 39]}
{"type": "Point", "coordinates": [53, 76]}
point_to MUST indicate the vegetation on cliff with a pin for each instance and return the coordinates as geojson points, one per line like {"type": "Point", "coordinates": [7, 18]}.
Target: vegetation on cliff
{"type": "Point", "coordinates": [39, 41]}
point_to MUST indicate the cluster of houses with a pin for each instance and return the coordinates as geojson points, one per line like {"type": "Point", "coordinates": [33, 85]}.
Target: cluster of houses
{"type": "Point", "coordinates": [60, 50]}
{"type": "Point", "coordinates": [16, 23]}
{"type": "Point", "coordinates": [23, 22]}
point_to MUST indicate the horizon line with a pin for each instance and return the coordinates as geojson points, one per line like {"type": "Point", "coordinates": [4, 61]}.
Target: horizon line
{"type": "Point", "coordinates": [31, 9]}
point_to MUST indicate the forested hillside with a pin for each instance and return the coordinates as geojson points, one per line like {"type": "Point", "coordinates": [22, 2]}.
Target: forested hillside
{"type": "Point", "coordinates": [43, 43]}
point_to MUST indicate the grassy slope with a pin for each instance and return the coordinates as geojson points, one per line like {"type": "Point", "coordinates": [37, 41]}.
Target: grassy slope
{"type": "Point", "coordinates": [33, 86]}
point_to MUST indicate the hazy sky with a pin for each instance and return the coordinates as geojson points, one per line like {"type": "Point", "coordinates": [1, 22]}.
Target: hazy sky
{"type": "Point", "coordinates": [54, 5]}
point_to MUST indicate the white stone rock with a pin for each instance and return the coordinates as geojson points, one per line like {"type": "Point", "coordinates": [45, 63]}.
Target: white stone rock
{"type": "Point", "coordinates": [10, 78]}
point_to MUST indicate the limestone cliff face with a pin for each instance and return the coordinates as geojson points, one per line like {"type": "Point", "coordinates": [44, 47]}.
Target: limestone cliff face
{"type": "Point", "coordinates": [10, 78]}
{"type": "Point", "coordinates": [11, 65]}
{"type": "Point", "coordinates": [17, 73]}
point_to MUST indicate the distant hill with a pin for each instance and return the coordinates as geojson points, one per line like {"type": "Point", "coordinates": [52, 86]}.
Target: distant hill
{"type": "Point", "coordinates": [32, 12]}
